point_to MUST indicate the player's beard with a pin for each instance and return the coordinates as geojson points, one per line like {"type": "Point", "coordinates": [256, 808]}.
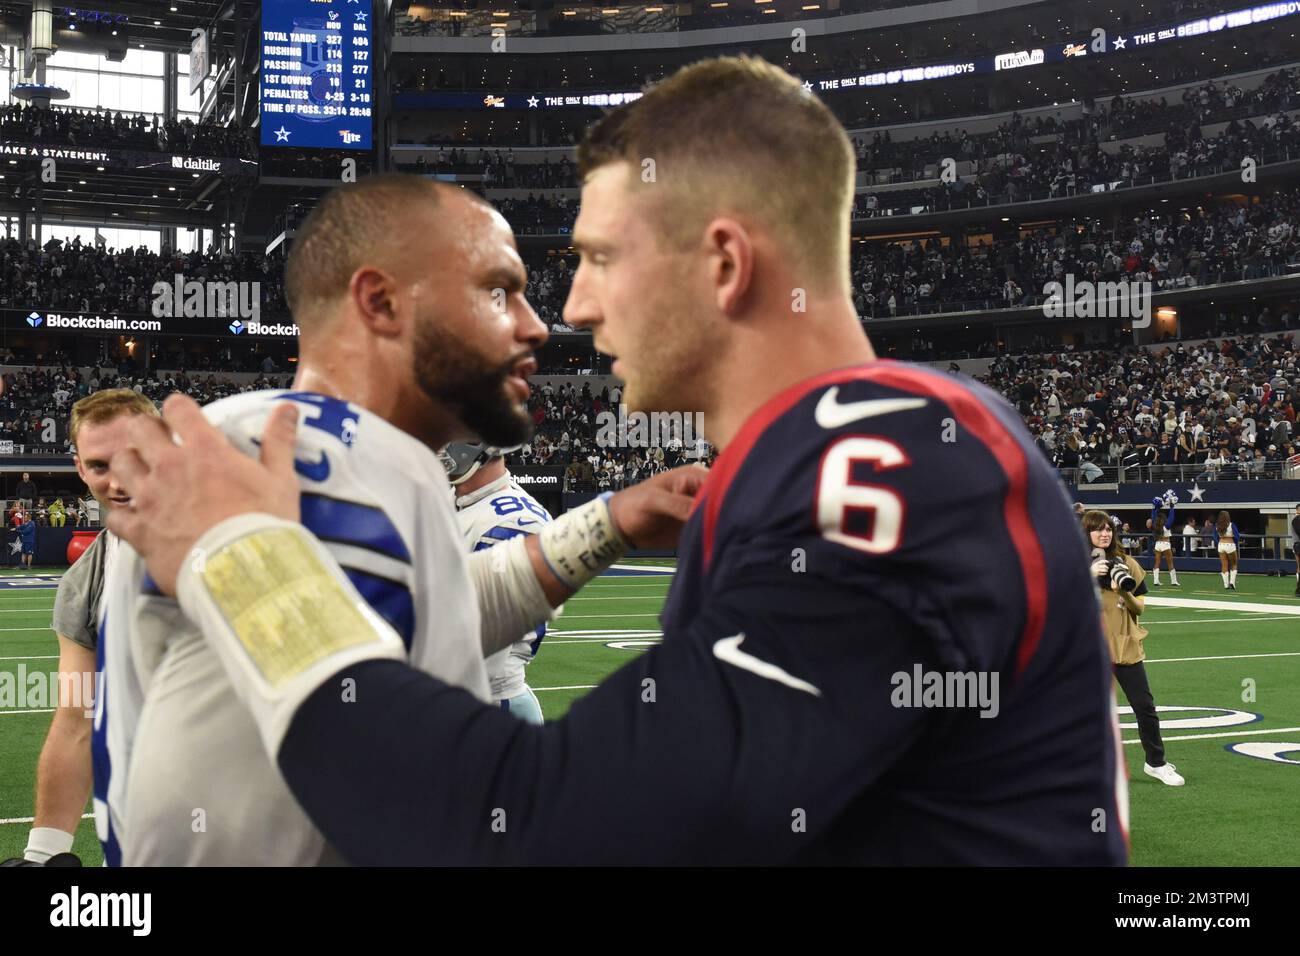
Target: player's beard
{"type": "Point", "coordinates": [468, 385]}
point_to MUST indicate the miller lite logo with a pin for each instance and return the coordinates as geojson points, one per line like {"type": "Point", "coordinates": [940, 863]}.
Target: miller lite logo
{"type": "Point", "coordinates": [349, 136]}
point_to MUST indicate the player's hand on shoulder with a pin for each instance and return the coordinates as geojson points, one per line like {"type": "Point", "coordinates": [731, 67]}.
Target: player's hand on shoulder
{"type": "Point", "coordinates": [185, 478]}
{"type": "Point", "coordinates": [651, 514]}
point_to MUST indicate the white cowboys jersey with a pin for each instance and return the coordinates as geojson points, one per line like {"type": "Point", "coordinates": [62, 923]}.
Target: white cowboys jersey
{"type": "Point", "coordinates": [492, 514]}
{"type": "Point", "coordinates": [185, 778]}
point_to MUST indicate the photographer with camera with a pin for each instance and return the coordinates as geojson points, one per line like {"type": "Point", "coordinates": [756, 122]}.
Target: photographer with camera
{"type": "Point", "coordinates": [1121, 584]}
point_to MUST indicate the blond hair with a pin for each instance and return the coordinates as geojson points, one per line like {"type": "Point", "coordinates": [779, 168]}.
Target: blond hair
{"type": "Point", "coordinates": [738, 136]}
{"type": "Point", "coordinates": [100, 407]}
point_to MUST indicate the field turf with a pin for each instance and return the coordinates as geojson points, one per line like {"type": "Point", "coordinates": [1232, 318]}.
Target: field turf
{"type": "Point", "coordinates": [1234, 658]}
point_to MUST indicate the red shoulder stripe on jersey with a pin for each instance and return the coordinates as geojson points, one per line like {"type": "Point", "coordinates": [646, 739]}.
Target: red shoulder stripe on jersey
{"type": "Point", "coordinates": [984, 425]}
{"type": "Point", "coordinates": [728, 463]}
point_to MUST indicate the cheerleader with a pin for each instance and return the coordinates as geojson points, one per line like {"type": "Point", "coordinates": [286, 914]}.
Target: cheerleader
{"type": "Point", "coordinates": [1161, 525]}
{"type": "Point", "coordinates": [1227, 537]}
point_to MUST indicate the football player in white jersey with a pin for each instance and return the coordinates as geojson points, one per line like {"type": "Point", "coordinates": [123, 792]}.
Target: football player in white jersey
{"type": "Point", "coordinates": [492, 508]}
{"type": "Point", "coordinates": [413, 331]}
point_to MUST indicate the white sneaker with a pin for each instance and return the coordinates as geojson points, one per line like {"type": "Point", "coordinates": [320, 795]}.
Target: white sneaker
{"type": "Point", "coordinates": [1166, 774]}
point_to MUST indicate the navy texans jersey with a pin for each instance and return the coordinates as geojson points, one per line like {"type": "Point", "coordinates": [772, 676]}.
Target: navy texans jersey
{"type": "Point", "coordinates": [882, 646]}
{"type": "Point", "coordinates": [886, 516]}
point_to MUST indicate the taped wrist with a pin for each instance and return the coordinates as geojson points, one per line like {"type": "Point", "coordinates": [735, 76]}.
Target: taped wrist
{"type": "Point", "coordinates": [280, 614]}
{"type": "Point", "coordinates": [582, 543]}
{"type": "Point", "coordinates": [45, 842]}
{"type": "Point", "coordinates": [510, 598]}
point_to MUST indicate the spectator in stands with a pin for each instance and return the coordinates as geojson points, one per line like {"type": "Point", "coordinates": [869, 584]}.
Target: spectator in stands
{"type": "Point", "coordinates": [25, 491]}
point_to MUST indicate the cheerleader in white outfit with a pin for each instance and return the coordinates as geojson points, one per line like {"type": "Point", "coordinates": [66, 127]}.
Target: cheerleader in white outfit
{"type": "Point", "coordinates": [1227, 538]}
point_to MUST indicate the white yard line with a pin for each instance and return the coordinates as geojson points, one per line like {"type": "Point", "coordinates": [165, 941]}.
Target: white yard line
{"type": "Point", "coordinates": [1188, 604]}
{"type": "Point", "coordinates": [1237, 733]}
{"type": "Point", "coordinates": [1216, 620]}
{"type": "Point", "coordinates": [1226, 657]}
{"type": "Point", "coordinates": [84, 816]}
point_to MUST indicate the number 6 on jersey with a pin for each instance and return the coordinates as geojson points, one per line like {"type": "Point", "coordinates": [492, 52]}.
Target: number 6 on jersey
{"type": "Point", "coordinates": [839, 496]}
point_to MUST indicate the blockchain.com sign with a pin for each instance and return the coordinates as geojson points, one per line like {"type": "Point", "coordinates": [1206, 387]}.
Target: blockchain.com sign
{"type": "Point", "coordinates": [42, 321]}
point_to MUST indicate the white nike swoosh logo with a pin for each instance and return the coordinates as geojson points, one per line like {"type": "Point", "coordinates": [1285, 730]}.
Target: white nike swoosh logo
{"type": "Point", "coordinates": [728, 650]}
{"type": "Point", "coordinates": [830, 413]}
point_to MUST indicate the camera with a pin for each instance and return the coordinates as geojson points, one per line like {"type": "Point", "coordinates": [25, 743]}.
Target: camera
{"type": "Point", "coordinates": [1117, 572]}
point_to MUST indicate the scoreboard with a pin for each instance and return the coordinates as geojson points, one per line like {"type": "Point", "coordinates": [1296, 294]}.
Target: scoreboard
{"type": "Point", "coordinates": [317, 73]}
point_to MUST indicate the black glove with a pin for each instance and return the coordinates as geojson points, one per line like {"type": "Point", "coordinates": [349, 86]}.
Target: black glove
{"type": "Point", "coordinates": [59, 859]}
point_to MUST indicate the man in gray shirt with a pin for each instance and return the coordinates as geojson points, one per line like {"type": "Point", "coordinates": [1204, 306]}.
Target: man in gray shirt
{"type": "Point", "coordinates": [63, 772]}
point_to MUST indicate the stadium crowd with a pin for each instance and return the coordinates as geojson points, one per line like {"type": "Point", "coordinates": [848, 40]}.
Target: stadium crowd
{"type": "Point", "coordinates": [1216, 411]}
{"type": "Point", "coordinates": [87, 128]}
{"type": "Point", "coordinates": [1171, 250]}
{"type": "Point", "coordinates": [34, 398]}
{"type": "Point", "coordinates": [576, 430]}
{"type": "Point", "coordinates": [1056, 169]}
{"type": "Point", "coordinates": [1213, 102]}
{"type": "Point", "coordinates": [94, 277]}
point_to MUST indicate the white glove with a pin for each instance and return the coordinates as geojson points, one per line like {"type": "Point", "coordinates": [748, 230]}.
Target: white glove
{"type": "Point", "coordinates": [1100, 568]}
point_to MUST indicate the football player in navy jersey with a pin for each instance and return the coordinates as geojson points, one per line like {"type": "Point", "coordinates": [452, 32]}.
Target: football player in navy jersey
{"type": "Point", "coordinates": [882, 645]}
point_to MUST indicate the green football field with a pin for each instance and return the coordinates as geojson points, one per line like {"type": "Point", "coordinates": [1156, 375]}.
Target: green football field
{"type": "Point", "coordinates": [1224, 668]}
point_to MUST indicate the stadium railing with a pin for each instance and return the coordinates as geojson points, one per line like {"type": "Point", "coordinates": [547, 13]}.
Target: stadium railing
{"type": "Point", "coordinates": [1190, 471]}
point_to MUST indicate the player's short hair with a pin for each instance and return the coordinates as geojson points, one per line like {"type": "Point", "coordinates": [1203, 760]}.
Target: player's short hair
{"type": "Point", "coordinates": [740, 136]}
{"type": "Point", "coordinates": [354, 224]}
{"type": "Point", "coordinates": [104, 406]}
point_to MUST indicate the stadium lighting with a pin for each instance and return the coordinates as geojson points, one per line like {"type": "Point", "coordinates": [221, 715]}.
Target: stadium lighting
{"type": "Point", "coordinates": [99, 169]}
{"type": "Point", "coordinates": [171, 189]}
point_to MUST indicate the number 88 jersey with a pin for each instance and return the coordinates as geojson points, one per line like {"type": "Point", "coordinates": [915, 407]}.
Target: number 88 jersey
{"type": "Point", "coordinates": [493, 514]}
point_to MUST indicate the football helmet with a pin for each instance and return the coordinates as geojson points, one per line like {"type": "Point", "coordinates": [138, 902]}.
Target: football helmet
{"type": "Point", "coordinates": [463, 459]}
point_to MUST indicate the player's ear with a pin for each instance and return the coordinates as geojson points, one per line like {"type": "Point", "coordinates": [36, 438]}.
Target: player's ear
{"type": "Point", "coordinates": [374, 296]}
{"type": "Point", "coordinates": [729, 247]}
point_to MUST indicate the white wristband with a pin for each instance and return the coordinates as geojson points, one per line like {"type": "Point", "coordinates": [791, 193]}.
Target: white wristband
{"type": "Point", "coordinates": [45, 842]}
{"type": "Point", "coordinates": [582, 543]}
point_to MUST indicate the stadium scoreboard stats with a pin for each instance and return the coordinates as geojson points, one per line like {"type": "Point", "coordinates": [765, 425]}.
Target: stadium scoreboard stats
{"type": "Point", "coordinates": [317, 74]}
